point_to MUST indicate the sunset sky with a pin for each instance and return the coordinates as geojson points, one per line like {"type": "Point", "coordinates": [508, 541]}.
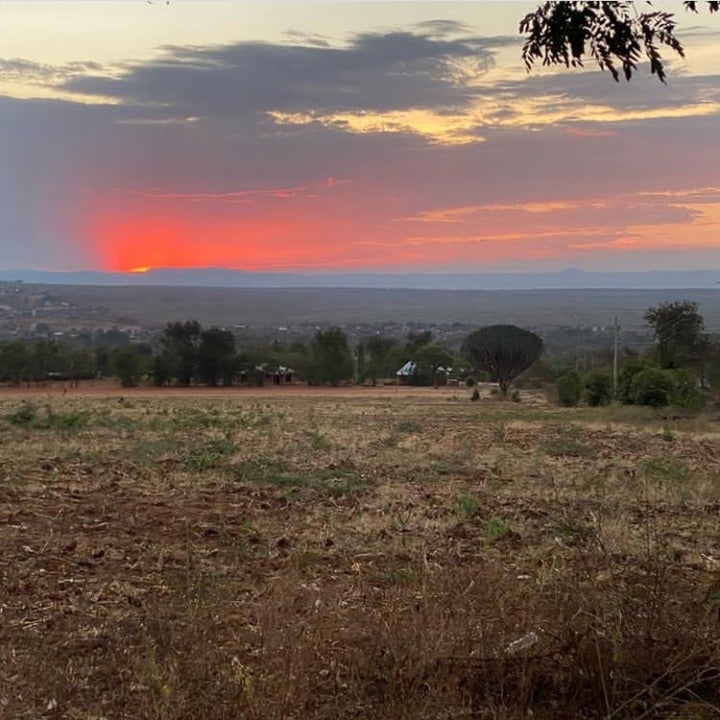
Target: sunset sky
{"type": "Point", "coordinates": [344, 136]}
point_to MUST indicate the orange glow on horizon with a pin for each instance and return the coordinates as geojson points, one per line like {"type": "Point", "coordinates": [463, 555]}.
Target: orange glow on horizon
{"type": "Point", "coordinates": [319, 237]}
{"type": "Point", "coordinates": [139, 242]}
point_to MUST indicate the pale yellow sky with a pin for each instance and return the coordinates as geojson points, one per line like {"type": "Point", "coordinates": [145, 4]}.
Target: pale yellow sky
{"type": "Point", "coordinates": [54, 31]}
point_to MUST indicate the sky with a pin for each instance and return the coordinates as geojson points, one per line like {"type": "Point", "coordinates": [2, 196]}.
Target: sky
{"type": "Point", "coordinates": [344, 136]}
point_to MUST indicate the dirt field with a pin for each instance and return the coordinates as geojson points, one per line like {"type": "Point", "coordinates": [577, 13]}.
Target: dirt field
{"type": "Point", "coordinates": [111, 389]}
{"type": "Point", "coordinates": [354, 553]}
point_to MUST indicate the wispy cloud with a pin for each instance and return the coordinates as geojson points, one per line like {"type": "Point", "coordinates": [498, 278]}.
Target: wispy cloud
{"type": "Point", "coordinates": [245, 196]}
{"type": "Point", "coordinates": [233, 196]}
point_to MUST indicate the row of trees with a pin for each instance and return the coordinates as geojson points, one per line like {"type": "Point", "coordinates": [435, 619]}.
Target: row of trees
{"type": "Point", "coordinates": [42, 359]}
{"type": "Point", "coordinates": [188, 354]}
{"type": "Point", "coordinates": [683, 361]}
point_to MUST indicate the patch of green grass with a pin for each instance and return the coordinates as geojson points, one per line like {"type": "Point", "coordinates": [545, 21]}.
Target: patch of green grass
{"type": "Point", "coordinates": [496, 529]}
{"type": "Point", "coordinates": [318, 441]}
{"type": "Point", "coordinates": [277, 473]}
{"type": "Point", "coordinates": [409, 427]}
{"type": "Point", "coordinates": [400, 576]}
{"type": "Point", "coordinates": [28, 415]}
{"type": "Point", "coordinates": [670, 473]}
{"type": "Point", "coordinates": [467, 504]}
{"type": "Point", "coordinates": [568, 447]}
{"type": "Point", "coordinates": [209, 454]}
{"type": "Point", "coordinates": [24, 414]}
{"type": "Point", "coordinates": [500, 432]}
{"type": "Point", "coordinates": [574, 530]}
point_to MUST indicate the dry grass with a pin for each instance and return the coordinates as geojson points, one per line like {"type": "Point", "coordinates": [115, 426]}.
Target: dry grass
{"type": "Point", "coordinates": [371, 555]}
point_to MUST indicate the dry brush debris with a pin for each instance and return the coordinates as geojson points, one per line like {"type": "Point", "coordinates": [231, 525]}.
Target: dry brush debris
{"type": "Point", "coordinates": [381, 555]}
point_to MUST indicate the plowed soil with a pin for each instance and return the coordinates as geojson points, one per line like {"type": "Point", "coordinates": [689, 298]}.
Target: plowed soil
{"type": "Point", "coordinates": [354, 553]}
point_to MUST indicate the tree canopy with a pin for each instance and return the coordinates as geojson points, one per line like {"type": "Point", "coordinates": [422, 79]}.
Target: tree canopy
{"type": "Point", "coordinates": [504, 351]}
{"type": "Point", "coordinates": [678, 329]}
{"type": "Point", "coordinates": [614, 34]}
{"type": "Point", "coordinates": [332, 361]}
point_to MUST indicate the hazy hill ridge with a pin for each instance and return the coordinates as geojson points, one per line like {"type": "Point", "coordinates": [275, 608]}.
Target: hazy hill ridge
{"type": "Point", "coordinates": [219, 277]}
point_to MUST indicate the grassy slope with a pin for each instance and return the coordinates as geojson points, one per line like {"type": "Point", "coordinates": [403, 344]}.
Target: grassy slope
{"type": "Point", "coordinates": [290, 556]}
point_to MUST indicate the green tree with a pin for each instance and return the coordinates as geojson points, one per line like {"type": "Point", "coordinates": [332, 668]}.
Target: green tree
{"type": "Point", "coordinates": [14, 362]}
{"type": "Point", "coordinates": [432, 361]}
{"type": "Point", "coordinates": [678, 329]}
{"type": "Point", "coordinates": [126, 364]}
{"type": "Point", "coordinates": [616, 35]}
{"type": "Point", "coordinates": [712, 371]}
{"type": "Point", "coordinates": [628, 370]}
{"type": "Point", "coordinates": [415, 340]}
{"type": "Point", "coordinates": [687, 393]}
{"type": "Point", "coordinates": [598, 388]}
{"type": "Point", "coordinates": [44, 359]}
{"type": "Point", "coordinates": [160, 369]}
{"type": "Point", "coordinates": [102, 360]}
{"type": "Point", "coordinates": [180, 342]}
{"type": "Point", "coordinates": [379, 358]}
{"type": "Point", "coordinates": [653, 386]}
{"type": "Point", "coordinates": [78, 363]}
{"type": "Point", "coordinates": [216, 356]}
{"type": "Point", "coordinates": [503, 351]}
{"type": "Point", "coordinates": [331, 359]}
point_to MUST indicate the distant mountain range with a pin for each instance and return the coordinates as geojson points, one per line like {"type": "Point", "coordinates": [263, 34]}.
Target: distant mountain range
{"type": "Point", "coordinates": [571, 279]}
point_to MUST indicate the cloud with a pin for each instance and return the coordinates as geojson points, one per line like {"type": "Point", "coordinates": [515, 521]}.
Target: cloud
{"type": "Point", "coordinates": [245, 196]}
{"type": "Point", "coordinates": [412, 143]}
{"type": "Point", "coordinates": [379, 71]}
{"type": "Point", "coordinates": [27, 71]}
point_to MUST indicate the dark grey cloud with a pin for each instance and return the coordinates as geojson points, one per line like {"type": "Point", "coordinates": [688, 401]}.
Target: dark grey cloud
{"type": "Point", "coordinates": [390, 71]}
{"type": "Point", "coordinates": [594, 87]}
{"type": "Point", "coordinates": [430, 68]}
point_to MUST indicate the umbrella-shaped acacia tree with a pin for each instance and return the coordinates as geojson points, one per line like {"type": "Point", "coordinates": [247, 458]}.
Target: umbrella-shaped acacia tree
{"type": "Point", "coordinates": [503, 351]}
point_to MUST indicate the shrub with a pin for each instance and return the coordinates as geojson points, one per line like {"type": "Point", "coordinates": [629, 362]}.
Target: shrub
{"type": "Point", "coordinates": [25, 414]}
{"type": "Point", "coordinates": [687, 393]}
{"type": "Point", "coordinates": [654, 387]}
{"type": "Point", "coordinates": [470, 381]}
{"type": "Point", "coordinates": [630, 368]}
{"type": "Point", "coordinates": [569, 387]}
{"type": "Point", "coordinates": [475, 395]}
{"type": "Point", "coordinates": [598, 388]}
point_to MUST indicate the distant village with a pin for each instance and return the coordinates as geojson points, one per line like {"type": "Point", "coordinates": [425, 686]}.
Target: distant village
{"type": "Point", "coordinates": [30, 312]}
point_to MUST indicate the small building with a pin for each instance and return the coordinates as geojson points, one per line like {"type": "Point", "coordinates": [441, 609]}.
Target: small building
{"type": "Point", "coordinates": [275, 375]}
{"type": "Point", "coordinates": [408, 375]}
{"type": "Point", "coordinates": [405, 374]}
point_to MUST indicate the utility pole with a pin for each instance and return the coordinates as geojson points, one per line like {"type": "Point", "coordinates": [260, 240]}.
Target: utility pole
{"type": "Point", "coordinates": [615, 356]}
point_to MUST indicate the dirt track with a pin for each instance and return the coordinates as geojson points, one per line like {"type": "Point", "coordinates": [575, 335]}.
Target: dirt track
{"type": "Point", "coordinates": [108, 389]}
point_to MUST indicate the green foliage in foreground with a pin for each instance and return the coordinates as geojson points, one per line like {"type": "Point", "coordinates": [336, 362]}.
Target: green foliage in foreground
{"type": "Point", "coordinates": [598, 388]}
{"type": "Point", "coordinates": [569, 388]}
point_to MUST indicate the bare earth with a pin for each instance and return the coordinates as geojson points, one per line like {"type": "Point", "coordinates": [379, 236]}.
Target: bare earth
{"type": "Point", "coordinates": [354, 553]}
